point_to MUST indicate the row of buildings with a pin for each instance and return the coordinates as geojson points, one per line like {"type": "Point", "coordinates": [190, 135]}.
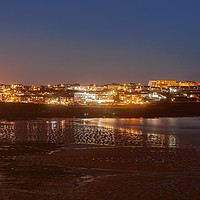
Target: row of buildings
{"type": "Point", "coordinates": [108, 94]}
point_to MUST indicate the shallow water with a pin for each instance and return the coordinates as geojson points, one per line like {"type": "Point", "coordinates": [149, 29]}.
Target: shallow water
{"type": "Point", "coordinates": [177, 132]}
{"type": "Point", "coordinates": [161, 132]}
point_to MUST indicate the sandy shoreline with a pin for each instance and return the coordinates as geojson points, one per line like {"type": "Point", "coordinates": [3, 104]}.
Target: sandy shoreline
{"type": "Point", "coordinates": [117, 173]}
{"type": "Point", "coordinates": [125, 158]}
{"type": "Point", "coordinates": [114, 173]}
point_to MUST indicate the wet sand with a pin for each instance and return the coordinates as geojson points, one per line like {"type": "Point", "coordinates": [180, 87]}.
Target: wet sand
{"type": "Point", "coordinates": [2, 192]}
{"type": "Point", "coordinates": [152, 159]}
{"type": "Point", "coordinates": [110, 173]}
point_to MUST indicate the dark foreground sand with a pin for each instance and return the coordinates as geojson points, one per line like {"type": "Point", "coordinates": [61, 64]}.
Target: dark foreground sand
{"type": "Point", "coordinates": [106, 173]}
{"type": "Point", "coordinates": [153, 159]}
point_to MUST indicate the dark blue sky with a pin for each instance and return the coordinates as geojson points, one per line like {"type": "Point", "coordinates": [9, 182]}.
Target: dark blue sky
{"type": "Point", "coordinates": [88, 41]}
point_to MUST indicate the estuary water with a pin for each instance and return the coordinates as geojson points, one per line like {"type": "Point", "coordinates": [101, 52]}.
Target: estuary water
{"type": "Point", "coordinates": [160, 132]}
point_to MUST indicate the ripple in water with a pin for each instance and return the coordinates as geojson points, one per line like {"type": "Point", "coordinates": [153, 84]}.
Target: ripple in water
{"type": "Point", "coordinates": [120, 132]}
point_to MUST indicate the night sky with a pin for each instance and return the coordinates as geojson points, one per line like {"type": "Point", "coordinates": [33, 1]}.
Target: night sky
{"type": "Point", "coordinates": [99, 41]}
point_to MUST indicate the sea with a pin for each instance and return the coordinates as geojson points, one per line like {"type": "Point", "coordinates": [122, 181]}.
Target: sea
{"type": "Point", "coordinates": [160, 132]}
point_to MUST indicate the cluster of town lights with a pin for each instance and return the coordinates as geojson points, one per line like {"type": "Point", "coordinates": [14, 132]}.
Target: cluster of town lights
{"type": "Point", "coordinates": [108, 94]}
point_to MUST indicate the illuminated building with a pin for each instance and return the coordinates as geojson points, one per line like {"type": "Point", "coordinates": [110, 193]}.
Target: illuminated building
{"type": "Point", "coordinates": [162, 83]}
{"type": "Point", "coordinates": [126, 99]}
{"type": "Point", "coordinates": [169, 83]}
{"type": "Point", "coordinates": [93, 98]}
{"type": "Point", "coordinates": [187, 83]}
{"type": "Point", "coordinates": [155, 96]}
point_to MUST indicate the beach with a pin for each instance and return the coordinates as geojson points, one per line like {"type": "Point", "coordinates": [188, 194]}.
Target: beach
{"type": "Point", "coordinates": [76, 159]}
{"type": "Point", "coordinates": [110, 173]}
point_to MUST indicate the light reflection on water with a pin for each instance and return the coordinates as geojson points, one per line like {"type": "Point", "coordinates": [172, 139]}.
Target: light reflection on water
{"type": "Point", "coordinates": [166, 132]}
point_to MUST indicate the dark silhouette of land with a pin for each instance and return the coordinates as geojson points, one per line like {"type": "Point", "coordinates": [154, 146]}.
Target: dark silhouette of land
{"type": "Point", "coordinates": [13, 111]}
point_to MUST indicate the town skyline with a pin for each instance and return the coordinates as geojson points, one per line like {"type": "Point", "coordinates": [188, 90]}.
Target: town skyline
{"type": "Point", "coordinates": [107, 94]}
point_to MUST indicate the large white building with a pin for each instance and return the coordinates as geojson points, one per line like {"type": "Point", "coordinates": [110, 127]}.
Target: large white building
{"type": "Point", "coordinates": [93, 98]}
